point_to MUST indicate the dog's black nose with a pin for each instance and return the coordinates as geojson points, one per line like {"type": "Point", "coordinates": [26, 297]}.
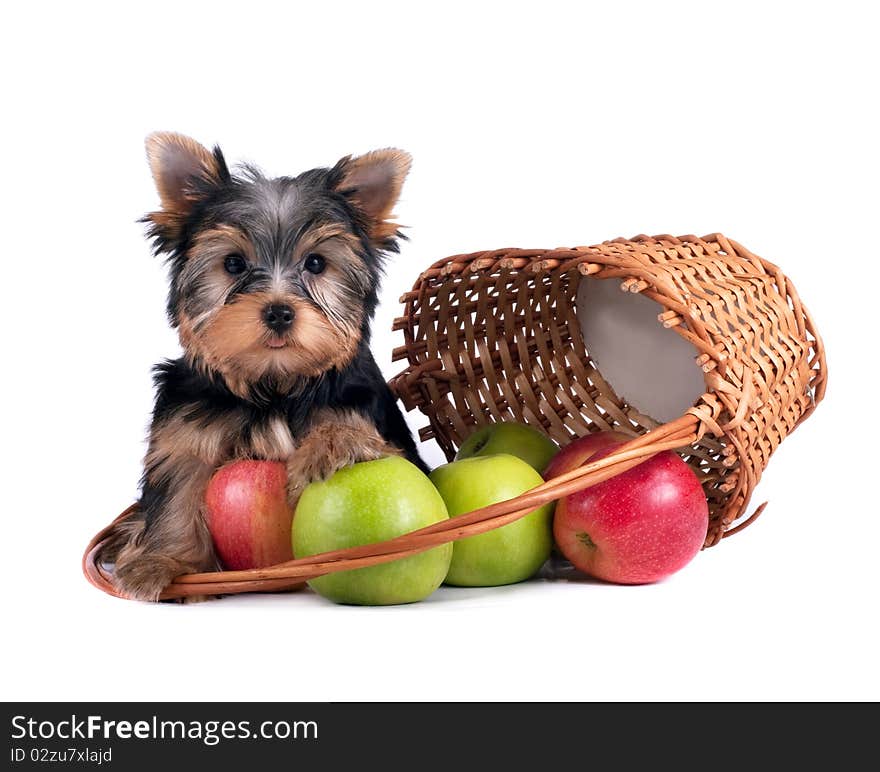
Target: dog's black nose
{"type": "Point", "coordinates": [278, 317]}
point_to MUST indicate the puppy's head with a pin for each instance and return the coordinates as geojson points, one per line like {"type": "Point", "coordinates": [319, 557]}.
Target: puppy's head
{"type": "Point", "coordinates": [272, 280]}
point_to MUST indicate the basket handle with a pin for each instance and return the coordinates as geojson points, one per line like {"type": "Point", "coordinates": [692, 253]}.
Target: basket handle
{"type": "Point", "coordinates": [284, 576]}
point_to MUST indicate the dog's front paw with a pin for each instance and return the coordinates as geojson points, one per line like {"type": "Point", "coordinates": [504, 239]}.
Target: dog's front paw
{"type": "Point", "coordinates": [304, 468]}
{"type": "Point", "coordinates": [332, 446]}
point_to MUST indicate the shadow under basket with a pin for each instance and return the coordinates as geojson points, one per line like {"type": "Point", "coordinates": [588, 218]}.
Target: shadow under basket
{"type": "Point", "coordinates": [507, 334]}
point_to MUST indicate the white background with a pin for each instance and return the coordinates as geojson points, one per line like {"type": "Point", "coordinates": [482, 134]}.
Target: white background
{"type": "Point", "coordinates": [539, 124]}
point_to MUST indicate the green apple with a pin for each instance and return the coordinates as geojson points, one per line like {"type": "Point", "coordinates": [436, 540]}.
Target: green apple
{"type": "Point", "coordinates": [505, 555]}
{"type": "Point", "coordinates": [367, 503]}
{"type": "Point", "coordinates": [520, 440]}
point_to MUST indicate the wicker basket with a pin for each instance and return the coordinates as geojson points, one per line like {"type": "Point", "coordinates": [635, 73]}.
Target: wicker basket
{"type": "Point", "coordinates": [494, 335]}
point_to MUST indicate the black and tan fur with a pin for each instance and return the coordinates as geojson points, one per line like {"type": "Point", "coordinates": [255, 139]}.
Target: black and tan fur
{"type": "Point", "coordinates": [310, 394]}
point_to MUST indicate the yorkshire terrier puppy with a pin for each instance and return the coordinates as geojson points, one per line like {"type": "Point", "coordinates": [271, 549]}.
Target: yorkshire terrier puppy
{"type": "Point", "coordinates": [273, 284]}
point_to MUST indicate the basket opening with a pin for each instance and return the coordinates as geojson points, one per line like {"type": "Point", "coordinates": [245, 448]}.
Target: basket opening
{"type": "Point", "coordinates": [644, 373]}
{"type": "Point", "coordinates": [648, 366]}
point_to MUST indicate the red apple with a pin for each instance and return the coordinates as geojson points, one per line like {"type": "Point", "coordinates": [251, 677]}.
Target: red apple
{"type": "Point", "coordinates": [248, 514]}
{"type": "Point", "coordinates": [638, 527]}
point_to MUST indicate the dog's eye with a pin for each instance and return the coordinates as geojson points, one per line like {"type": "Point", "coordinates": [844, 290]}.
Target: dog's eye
{"type": "Point", "coordinates": [315, 263]}
{"type": "Point", "coordinates": [234, 264]}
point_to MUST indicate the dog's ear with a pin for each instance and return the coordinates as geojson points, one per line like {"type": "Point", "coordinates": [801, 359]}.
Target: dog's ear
{"type": "Point", "coordinates": [184, 172]}
{"type": "Point", "coordinates": [372, 183]}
